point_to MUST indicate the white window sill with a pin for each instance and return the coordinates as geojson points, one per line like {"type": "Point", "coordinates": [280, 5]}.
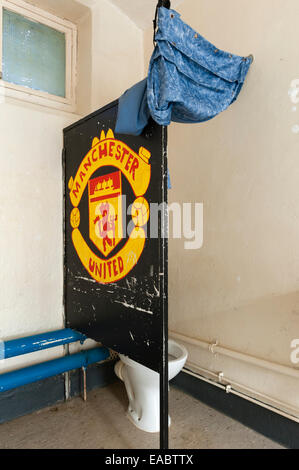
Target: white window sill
{"type": "Point", "coordinates": [34, 97]}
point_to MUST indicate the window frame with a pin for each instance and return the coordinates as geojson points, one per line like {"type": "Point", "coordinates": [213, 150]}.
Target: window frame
{"type": "Point", "coordinates": [70, 30]}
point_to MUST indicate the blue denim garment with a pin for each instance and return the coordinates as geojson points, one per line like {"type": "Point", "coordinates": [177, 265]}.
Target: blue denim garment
{"type": "Point", "coordinates": [189, 79]}
{"type": "Point", "coordinates": [133, 111]}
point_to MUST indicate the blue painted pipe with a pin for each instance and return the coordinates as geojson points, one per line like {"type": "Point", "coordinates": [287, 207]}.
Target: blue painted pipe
{"type": "Point", "coordinates": [29, 344]}
{"type": "Point", "coordinates": [42, 371]}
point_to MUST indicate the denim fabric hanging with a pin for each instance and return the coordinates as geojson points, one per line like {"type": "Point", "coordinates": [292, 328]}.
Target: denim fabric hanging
{"type": "Point", "coordinates": [189, 79]}
{"type": "Point", "coordinates": [133, 111]}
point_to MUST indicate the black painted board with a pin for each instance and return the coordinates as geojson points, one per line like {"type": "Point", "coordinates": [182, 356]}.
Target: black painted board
{"type": "Point", "coordinates": [124, 310]}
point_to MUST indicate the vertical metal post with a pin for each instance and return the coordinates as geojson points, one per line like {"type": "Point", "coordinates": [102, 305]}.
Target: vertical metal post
{"type": "Point", "coordinates": [164, 3]}
{"type": "Point", "coordinates": [164, 420]}
{"type": "Point", "coordinates": [164, 429]}
{"type": "Point", "coordinates": [67, 378]}
{"type": "Point", "coordinates": [84, 383]}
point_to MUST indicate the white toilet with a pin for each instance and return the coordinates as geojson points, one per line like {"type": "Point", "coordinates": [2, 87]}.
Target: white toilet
{"type": "Point", "coordinates": [143, 386]}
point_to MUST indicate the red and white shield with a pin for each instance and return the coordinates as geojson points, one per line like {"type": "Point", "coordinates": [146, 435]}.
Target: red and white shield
{"type": "Point", "coordinates": [105, 212]}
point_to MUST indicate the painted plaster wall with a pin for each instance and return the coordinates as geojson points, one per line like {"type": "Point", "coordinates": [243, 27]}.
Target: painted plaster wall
{"type": "Point", "coordinates": [31, 223]}
{"type": "Point", "coordinates": [241, 288]}
{"type": "Point", "coordinates": [110, 59]}
{"type": "Point", "coordinates": [117, 53]}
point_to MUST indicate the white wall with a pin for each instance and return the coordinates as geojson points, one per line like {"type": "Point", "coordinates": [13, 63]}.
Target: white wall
{"type": "Point", "coordinates": [30, 222]}
{"type": "Point", "coordinates": [110, 59]}
{"type": "Point", "coordinates": [241, 288]}
{"type": "Point", "coordinates": [117, 53]}
{"type": "Point", "coordinates": [142, 12]}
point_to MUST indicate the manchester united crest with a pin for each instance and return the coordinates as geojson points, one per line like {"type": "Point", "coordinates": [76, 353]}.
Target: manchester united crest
{"type": "Point", "coordinates": [105, 212]}
{"type": "Point", "coordinates": [105, 207]}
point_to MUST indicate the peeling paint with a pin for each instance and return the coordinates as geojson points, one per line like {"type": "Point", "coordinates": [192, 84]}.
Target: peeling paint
{"type": "Point", "coordinates": [131, 335]}
{"type": "Point", "coordinates": [86, 279]}
{"type": "Point", "coordinates": [133, 307]}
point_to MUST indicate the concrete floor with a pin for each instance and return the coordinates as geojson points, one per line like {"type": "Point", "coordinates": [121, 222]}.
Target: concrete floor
{"type": "Point", "coordinates": [100, 423]}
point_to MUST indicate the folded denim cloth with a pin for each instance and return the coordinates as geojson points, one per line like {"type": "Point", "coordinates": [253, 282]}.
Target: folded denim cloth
{"type": "Point", "coordinates": [133, 111]}
{"type": "Point", "coordinates": [189, 79]}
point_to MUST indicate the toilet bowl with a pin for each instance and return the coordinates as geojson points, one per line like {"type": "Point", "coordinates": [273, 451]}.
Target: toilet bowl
{"type": "Point", "coordinates": [143, 386]}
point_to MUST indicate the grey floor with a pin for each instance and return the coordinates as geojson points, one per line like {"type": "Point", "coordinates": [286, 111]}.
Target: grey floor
{"type": "Point", "coordinates": [100, 423]}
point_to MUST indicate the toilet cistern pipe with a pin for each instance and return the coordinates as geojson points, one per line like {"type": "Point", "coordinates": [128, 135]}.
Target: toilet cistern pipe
{"type": "Point", "coordinates": [18, 378]}
{"type": "Point", "coordinates": [39, 342]}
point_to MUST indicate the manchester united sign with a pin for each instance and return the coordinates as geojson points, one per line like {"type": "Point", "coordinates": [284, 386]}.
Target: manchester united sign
{"type": "Point", "coordinates": [105, 207]}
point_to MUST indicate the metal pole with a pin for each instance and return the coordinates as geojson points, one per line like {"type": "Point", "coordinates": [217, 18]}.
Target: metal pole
{"type": "Point", "coordinates": [164, 424]}
{"type": "Point", "coordinates": [84, 383]}
{"type": "Point", "coordinates": [164, 420]}
{"type": "Point", "coordinates": [164, 3]}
